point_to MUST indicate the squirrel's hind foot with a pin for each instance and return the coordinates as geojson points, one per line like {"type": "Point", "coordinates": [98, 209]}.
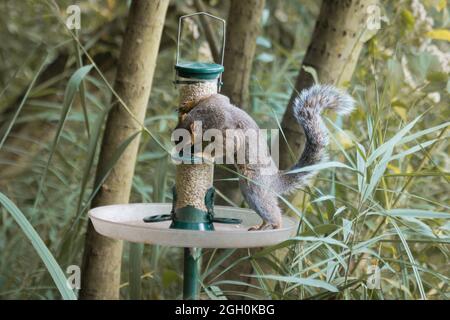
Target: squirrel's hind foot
{"type": "Point", "coordinates": [264, 226]}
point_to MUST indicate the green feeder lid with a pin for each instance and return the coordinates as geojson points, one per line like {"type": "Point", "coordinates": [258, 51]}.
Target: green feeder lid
{"type": "Point", "coordinates": [199, 70]}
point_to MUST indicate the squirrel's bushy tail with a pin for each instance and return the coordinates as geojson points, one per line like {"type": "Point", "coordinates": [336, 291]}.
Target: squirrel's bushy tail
{"type": "Point", "coordinates": [308, 106]}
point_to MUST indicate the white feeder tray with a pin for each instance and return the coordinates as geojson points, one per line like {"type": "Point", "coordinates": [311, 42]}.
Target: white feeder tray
{"type": "Point", "coordinates": [125, 222]}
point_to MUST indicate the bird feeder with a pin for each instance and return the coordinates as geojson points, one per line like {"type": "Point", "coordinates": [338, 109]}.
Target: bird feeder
{"type": "Point", "coordinates": [191, 221]}
{"type": "Point", "coordinates": [194, 192]}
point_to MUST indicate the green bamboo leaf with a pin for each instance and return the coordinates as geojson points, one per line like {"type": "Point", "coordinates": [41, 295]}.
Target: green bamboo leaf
{"type": "Point", "coordinates": [310, 225]}
{"type": "Point", "coordinates": [338, 143]}
{"type": "Point", "coordinates": [414, 213]}
{"type": "Point", "coordinates": [104, 173]}
{"type": "Point", "coordinates": [390, 144]}
{"type": "Point", "coordinates": [258, 271]}
{"type": "Point", "coordinates": [226, 253]}
{"type": "Point", "coordinates": [381, 166]}
{"type": "Point", "coordinates": [215, 293]}
{"type": "Point", "coordinates": [414, 136]}
{"type": "Point", "coordinates": [418, 226]}
{"type": "Point", "coordinates": [82, 87]}
{"type": "Point", "coordinates": [73, 86]}
{"type": "Point", "coordinates": [339, 210]}
{"type": "Point", "coordinates": [419, 174]}
{"type": "Point", "coordinates": [413, 150]}
{"type": "Point", "coordinates": [331, 269]}
{"type": "Point", "coordinates": [92, 148]}
{"type": "Point", "coordinates": [347, 228]}
{"type": "Point", "coordinates": [361, 166]}
{"type": "Point", "coordinates": [323, 198]}
{"type": "Point", "coordinates": [411, 259]}
{"type": "Point", "coordinates": [291, 153]}
{"type": "Point", "coordinates": [236, 283]}
{"type": "Point", "coordinates": [22, 102]}
{"type": "Point", "coordinates": [52, 266]}
{"type": "Point", "coordinates": [71, 89]}
{"type": "Point", "coordinates": [320, 239]}
{"type": "Point", "coordinates": [321, 166]}
{"type": "Point", "coordinates": [319, 229]}
{"type": "Point", "coordinates": [117, 154]}
{"type": "Point", "coordinates": [299, 281]}
{"type": "Point", "coordinates": [270, 249]}
{"type": "Point", "coordinates": [312, 72]}
{"type": "Point", "coordinates": [24, 63]}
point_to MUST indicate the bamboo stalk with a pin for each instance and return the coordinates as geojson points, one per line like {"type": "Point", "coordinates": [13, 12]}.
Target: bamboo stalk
{"type": "Point", "coordinates": [102, 256]}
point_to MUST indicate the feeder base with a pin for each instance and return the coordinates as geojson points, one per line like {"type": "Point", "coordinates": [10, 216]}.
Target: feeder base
{"type": "Point", "coordinates": [126, 222]}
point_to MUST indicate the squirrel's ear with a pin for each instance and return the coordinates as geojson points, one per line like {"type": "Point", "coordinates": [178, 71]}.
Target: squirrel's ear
{"type": "Point", "coordinates": [225, 98]}
{"type": "Point", "coordinates": [218, 99]}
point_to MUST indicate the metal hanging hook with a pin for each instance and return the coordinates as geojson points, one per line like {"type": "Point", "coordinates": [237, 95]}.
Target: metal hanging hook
{"type": "Point", "coordinates": [178, 64]}
{"type": "Point", "coordinates": [180, 24]}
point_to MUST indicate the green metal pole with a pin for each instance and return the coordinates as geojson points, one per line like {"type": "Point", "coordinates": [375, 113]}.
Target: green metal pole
{"type": "Point", "coordinates": [191, 273]}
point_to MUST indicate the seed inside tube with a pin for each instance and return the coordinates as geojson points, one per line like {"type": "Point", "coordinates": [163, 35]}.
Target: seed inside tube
{"type": "Point", "coordinates": [193, 180]}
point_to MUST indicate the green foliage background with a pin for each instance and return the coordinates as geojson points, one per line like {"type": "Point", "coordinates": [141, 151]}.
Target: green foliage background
{"type": "Point", "coordinates": [394, 213]}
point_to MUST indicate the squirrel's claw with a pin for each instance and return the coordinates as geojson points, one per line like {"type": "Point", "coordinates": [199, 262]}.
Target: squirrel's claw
{"type": "Point", "coordinates": [264, 226]}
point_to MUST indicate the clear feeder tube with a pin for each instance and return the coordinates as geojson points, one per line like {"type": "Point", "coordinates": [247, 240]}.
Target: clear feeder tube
{"type": "Point", "coordinates": [194, 179]}
{"type": "Point", "coordinates": [191, 184]}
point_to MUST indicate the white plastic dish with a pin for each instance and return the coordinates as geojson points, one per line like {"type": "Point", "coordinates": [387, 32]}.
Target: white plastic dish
{"type": "Point", "coordinates": [125, 222]}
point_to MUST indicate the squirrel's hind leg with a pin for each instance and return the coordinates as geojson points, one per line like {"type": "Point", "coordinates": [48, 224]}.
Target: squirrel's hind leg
{"type": "Point", "coordinates": [265, 204]}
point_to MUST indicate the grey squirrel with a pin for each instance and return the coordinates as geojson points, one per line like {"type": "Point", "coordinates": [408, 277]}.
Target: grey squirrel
{"type": "Point", "coordinates": [260, 189]}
